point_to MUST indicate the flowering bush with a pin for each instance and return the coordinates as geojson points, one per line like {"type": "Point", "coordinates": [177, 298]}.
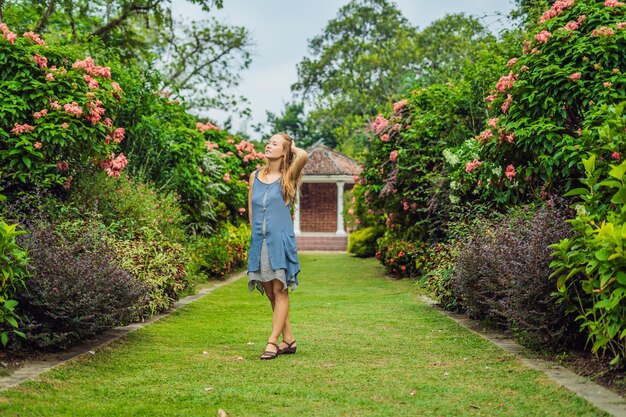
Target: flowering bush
{"type": "Point", "coordinates": [532, 142]}
{"type": "Point", "coordinates": [402, 173]}
{"type": "Point", "coordinates": [13, 261]}
{"type": "Point", "coordinates": [56, 114]}
{"type": "Point", "coordinates": [402, 258]}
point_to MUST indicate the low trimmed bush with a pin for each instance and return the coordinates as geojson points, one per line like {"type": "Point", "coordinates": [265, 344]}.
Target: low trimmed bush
{"type": "Point", "coordinates": [502, 276]}
{"type": "Point", "coordinates": [160, 265]}
{"type": "Point", "coordinates": [76, 289]}
{"type": "Point", "coordinates": [362, 242]}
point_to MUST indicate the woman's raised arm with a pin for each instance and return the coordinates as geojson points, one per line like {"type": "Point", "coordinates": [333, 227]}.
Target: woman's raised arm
{"type": "Point", "coordinates": [298, 162]}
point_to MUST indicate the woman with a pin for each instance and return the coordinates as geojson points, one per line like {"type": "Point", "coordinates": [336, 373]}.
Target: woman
{"type": "Point", "coordinates": [273, 258]}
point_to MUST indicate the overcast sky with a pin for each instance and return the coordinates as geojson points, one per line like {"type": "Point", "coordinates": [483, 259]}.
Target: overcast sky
{"type": "Point", "coordinates": [281, 29]}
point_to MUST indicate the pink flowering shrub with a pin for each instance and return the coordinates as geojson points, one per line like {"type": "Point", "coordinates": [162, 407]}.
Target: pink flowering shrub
{"type": "Point", "coordinates": [51, 110]}
{"type": "Point", "coordinates": [570, 67]}
{"type": "Point", "coordinates": [402, 258]}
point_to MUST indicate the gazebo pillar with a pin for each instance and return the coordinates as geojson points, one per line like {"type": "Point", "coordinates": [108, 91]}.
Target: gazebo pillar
{"type": "Point", "coordinates": [340, 230]}
{"type": "Point", "coordinates": [296, 220]}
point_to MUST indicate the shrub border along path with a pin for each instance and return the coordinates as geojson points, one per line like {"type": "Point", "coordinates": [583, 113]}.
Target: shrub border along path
{"type": "Point", "coordinates": [598, 396]}
{"type": "Point", "coordinates": [32, 369]}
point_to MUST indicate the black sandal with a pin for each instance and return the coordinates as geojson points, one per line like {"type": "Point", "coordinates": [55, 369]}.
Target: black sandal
{"type": "Point", "coordinates": [268, 354]}
{"type": "Point", "coordinates": [290, 349]}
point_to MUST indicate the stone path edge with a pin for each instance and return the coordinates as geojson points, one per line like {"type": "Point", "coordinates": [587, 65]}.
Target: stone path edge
{"type": "Point", "coordinates": [32, 369]}
{"type": "Point", "coordinates": [596, 394]}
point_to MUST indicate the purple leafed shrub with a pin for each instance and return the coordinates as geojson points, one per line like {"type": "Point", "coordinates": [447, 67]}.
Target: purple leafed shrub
{"type": "Point", "coordinates": [502, 275]}
{"type": "Point", "coordinates": [76, 289]}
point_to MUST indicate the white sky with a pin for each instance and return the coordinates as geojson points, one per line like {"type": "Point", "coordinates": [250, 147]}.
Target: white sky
{"type": "Point", "coordinates": [281, 29]}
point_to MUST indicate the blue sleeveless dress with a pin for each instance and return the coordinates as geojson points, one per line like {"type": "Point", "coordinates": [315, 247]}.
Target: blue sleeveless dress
{"type": "Point", "coordinates": [273, 253]}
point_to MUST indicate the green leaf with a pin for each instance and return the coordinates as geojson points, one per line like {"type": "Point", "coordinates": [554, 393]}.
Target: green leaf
{"type": "Point", "coordinates": [576, 191]}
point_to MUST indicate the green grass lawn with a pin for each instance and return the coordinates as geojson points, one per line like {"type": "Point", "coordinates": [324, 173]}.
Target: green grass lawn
{"type": "Point", "coordinates": [366, 347]}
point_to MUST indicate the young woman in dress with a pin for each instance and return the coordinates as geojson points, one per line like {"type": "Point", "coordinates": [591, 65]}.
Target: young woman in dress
{"type": "Point", "coordinates": [273, 263]}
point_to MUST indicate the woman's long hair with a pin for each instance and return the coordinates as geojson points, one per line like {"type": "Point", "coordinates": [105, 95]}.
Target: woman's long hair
{"type": "Point", "coordinates": [289, 187]}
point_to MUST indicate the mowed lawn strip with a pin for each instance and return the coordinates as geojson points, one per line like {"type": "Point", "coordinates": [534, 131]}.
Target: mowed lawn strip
{"type": "Point", "coordinates": [366, 347]}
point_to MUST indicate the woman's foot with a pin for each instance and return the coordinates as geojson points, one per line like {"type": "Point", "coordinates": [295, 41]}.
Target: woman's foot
{"type": "Point", "coordinates": [271, 351]}
{"type": "Point", "coordinates": [287, 348]}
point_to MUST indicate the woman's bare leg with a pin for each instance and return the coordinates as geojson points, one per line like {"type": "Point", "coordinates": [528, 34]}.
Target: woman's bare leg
{"type": "Point", "coordinates": [269, 291]}
{"type": "Point", "coordinates": [281, 311]}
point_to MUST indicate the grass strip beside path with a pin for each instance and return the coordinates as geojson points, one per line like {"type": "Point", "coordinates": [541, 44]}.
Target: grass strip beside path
{"type": "Point", "coordinates": [366, 347]}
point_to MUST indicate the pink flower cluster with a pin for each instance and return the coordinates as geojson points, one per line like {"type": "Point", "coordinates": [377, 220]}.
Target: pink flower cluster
{"type": "Point", "coordinates": [506, 82]}
{"type": "Point", "coordinates": [252, 154]}
{"type": "Point", "coordinates": [379, 124]}
{"type": "Point", "coordinates": [621, 25]}
{"type": "Point", "coordinates": [41, 61]}
{"type": "Point", "coordinates": [511, 62]}
{"type": "Point", "coordinates": [616, 155]}
{"type": "Point", "coordinates": [35, 38]}
{"type": "Point", "coordinates": [204, 127]}
{"type": "Point", "coordinates": [543, 36]}
{"type": "Point", "coordinates": [470, 166]}
{"type": "Point", "coordinates": [7, 34]}
{"type": "Point", "coordinates": [485, 135]}
{"type": "Point", "coordinates": [54, 105]}
{"type": "Point", "coordinates": [603, 31]}
{"type": "Point", "coordinates": [384, 138]}
{"type": "Point", "coordinates": [510, 172]}
{"type": "Point", "coordinates": [114, 165]}
{"type": "Point", "coordinates": [116, 87]}
{"type": "Point", "coordinates": [91, 83]}
{"type": "Point", "coordinates": [507, 103]}
{"type": "Point", "coordinates": [556, 9]}
{"type": "Point", "coordinates": [95, 111]}
{"type": "Point", "coordinates": [399, 105]}
{"type": "Point", "coordinates": [91, 68]}
{"type": "Point", "coordinates": [49, 76]}
{"type": "Point", "coordinates": [210, 146]}
{"type": "Point", "coordinates": [510, 138]}
{"type": "Point", "coordinates": [118, 136]}
{"type": "Point", "coordinates": [575, 76]}
{"type": "Point", "coordinates": [613, 3]}
{"type": "Point", "coordinates": [40, 114]}
{"type": "Point", "coordinates": [19, 129]}
{"type": "Point", "coordinates": [63, 166]}
{"type": "Point", "coordinates": [493, 122]}
{"type": "Point", "coordinates": [393, 156]}
{"type": "Point", "coordinates": [73, 108]}
{"type": "Point", "coordinates": [37, 145]}
{"type": "Point", "coordinates": [227, 177]}
{"type": "Point", "coordinates": [571, 25]}
{"type": "Point", "coordinates": [68, 182]}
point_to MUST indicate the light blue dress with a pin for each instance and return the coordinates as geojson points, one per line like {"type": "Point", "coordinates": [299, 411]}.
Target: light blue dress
{"type": "Point", "coordinates": [273, 253]}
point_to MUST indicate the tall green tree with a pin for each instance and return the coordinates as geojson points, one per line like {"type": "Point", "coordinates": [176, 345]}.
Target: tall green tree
{"type": "Point", "coordinates": [293, 121]}
{"type": "Point", "coordinates": [354, 67]}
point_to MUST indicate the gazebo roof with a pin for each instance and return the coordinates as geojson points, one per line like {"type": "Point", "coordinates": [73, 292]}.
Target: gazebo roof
{"type": "Point", "coordinates": [325, 161]}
